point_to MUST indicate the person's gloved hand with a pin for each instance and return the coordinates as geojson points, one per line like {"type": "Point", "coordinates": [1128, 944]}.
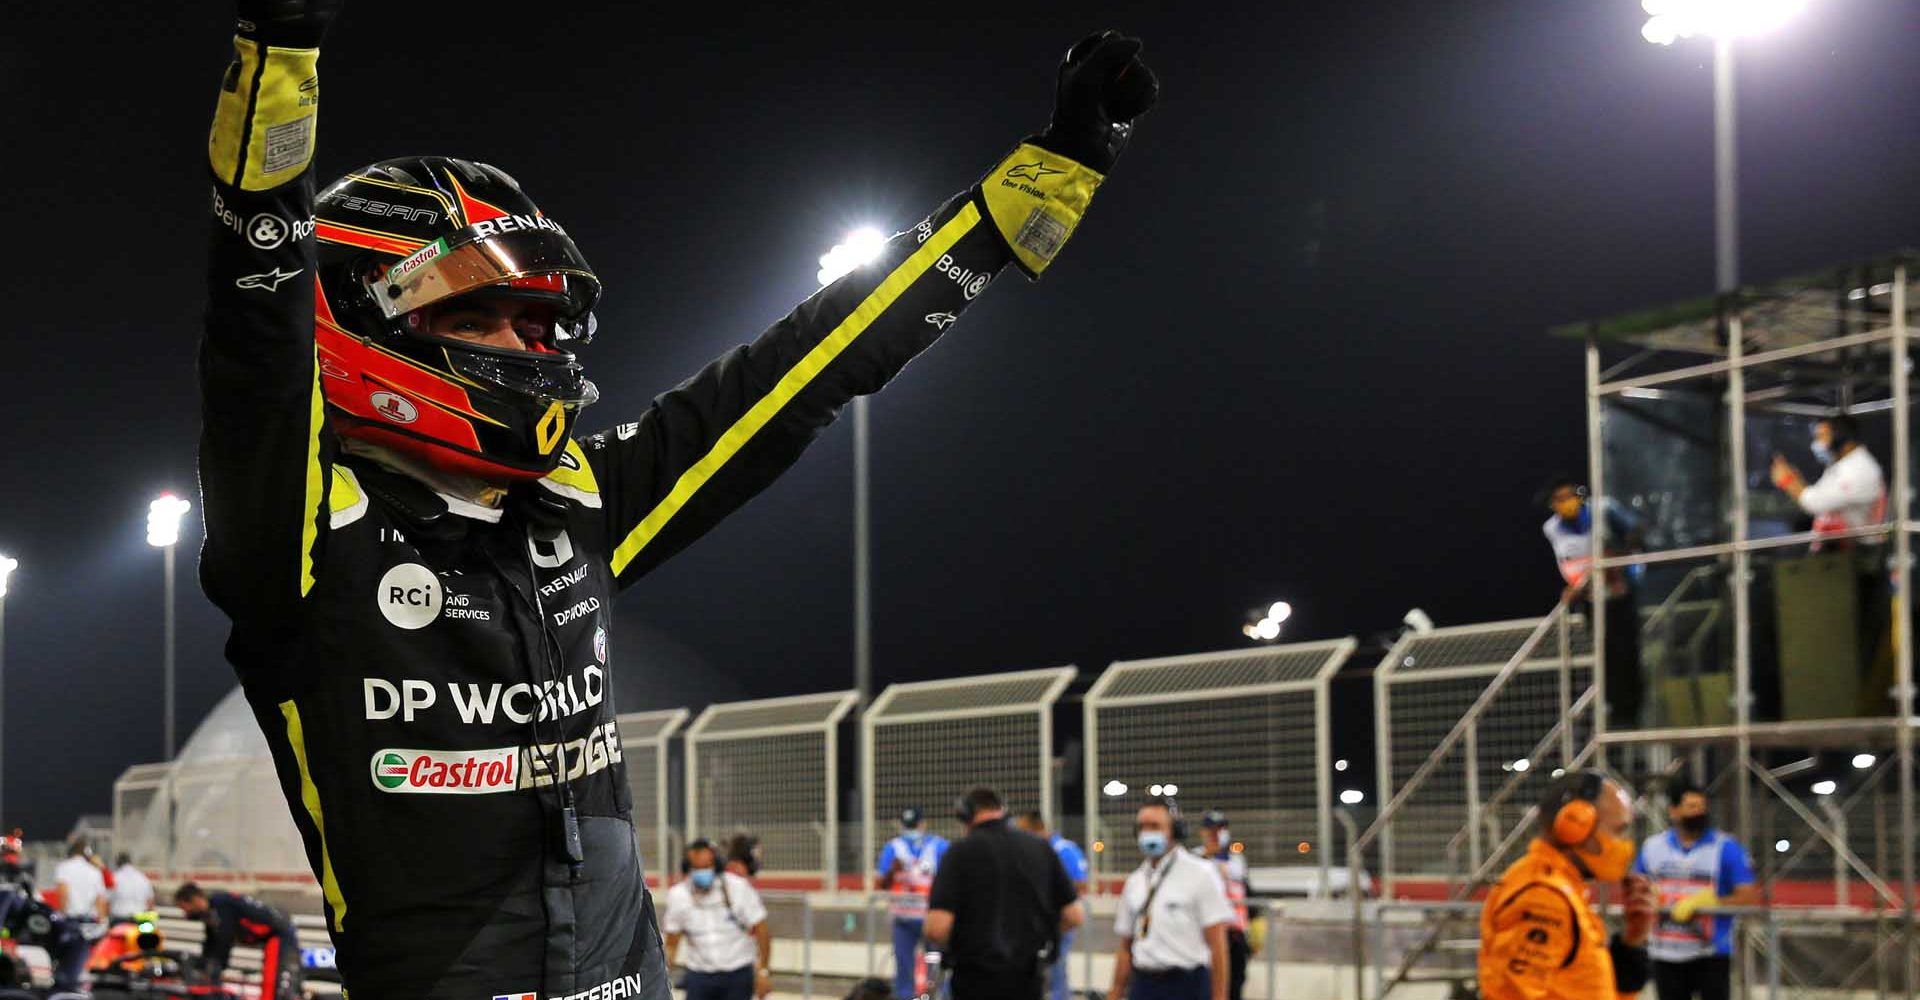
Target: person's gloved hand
{"type": "Point", "coordinates": [1102, 86]}
{"type": "Point", "coordinates": [285, 24]}
{"type": "Point", "coordinates": [1684, 908]}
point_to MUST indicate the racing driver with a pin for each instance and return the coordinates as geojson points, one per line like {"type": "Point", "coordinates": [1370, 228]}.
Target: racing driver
{"type": "Point", "coordinates": [418, 553]}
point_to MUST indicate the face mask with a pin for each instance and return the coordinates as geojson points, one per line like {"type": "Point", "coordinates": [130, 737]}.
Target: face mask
{"type": "Point", "coordinates": [1153, 843]}
{"type": "Point", "coordinates": [1823, 453]}
{"type": "Point", "coordinates": [1692, 826]}
{"type": "Point", "coordinates": [1611, 862]}
{"type": "Point", "coordinates": [702, 878]}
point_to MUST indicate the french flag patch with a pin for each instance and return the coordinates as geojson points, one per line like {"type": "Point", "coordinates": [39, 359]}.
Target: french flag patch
{"type": "Point", "coordinates": [518, 996]}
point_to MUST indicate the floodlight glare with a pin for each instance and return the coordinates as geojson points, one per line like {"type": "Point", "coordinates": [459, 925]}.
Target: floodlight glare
{"type": "Point", "coordinates": [1522, 764]}
{"type": "Point", "coordinates": [1154, 789]}
{"type": "Point", "coordinates": [1280, 612]}
{"type": "Point", "coordinates": [1825, 787]}
{"type": "Point", "coordinates": [1782, 846]}
{"type": "Point", "coordinates": [163, 520]}
{"type": "Point", "coordinates": [1267, 629]}
{"type": "Point", "coordinates": [7, 566]}
{"type": "Point", "coordinates": [1115, 788]}
{"type": "Point", "coordinates": [1668, 21]}
{"type": "Point", "coordinates": [860, 247]}
{"type": "Point", "coordinates": [1861, 761]}
{"type": "Point", "coordinates": [1352, 797]}
{"type": "Point", "coordinates": [1340, 765]}
{"type": "Point", "coordinates": [1170, 789]}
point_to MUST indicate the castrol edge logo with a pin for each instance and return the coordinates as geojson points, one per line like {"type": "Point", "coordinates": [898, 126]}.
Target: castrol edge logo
{"type": "Point", "coordinates": [447, 772]}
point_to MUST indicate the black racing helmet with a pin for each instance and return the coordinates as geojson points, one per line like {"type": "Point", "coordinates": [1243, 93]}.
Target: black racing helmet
{"type": "Point", "coordinates": [404, 235]}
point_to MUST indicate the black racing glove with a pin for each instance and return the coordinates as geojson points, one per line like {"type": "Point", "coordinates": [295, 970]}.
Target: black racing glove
{"type": "Point", "coordinates": [285, 24]}
{"type": "Point", "coordinates": [1102, 87]}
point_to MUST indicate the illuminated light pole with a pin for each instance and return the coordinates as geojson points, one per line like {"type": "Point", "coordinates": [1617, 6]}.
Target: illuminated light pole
{"type": "Point", "coordinates": [7, 566]}
{"type": "Point", "coordinates": [860, 247]}
{"type": "Point", "coordinates": [163, 533]}
{"type": "Point", "coordinates": [1669, 21]}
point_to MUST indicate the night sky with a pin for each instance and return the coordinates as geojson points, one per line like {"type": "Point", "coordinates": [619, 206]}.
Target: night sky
{"type": "Point", "coordinates": [1297, 351]}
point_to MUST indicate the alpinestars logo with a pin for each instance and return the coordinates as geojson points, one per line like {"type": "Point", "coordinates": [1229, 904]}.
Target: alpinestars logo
{"type": "Point", "coordinates": [269, 281]}
{"type": "Point", "coordinates": [1031, 171]}
{"type": "Point", "coordinates": [940, 321]}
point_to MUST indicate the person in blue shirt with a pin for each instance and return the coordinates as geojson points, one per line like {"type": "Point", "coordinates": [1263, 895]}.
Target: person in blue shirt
{"type": "Point", "coordinates": [905, 870]}
{"type": "Point", "coordinates": [1693, 867]}
{"type": "Point", "coordinates": [1074, 860]}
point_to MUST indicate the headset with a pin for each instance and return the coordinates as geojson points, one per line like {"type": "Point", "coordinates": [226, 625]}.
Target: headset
{"type": "Point", "coordinates": [1843, 429]}
{"type": "Point", "coordinates": [700, 844]}
{"type": "Point", "coordinates": [1571, 801]}
{"type": "Point", "coordinates": [1178, 834]}
{"type": "Point", "coordinates": [965, 808]}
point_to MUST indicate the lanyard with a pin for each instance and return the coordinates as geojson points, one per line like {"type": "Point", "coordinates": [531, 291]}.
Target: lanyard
{"type": "Point", "coordinates": [1153, 890]}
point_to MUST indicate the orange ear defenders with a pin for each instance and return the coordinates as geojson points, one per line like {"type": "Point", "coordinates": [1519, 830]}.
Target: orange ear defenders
{"type": "Point", "coordinates": [1575, 813]}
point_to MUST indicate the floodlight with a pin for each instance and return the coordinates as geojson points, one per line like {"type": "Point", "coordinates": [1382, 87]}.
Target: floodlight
{"type": "Point", "coordinates": [860, 247]}
{"type": "Point", "coordinates": [163, 520]}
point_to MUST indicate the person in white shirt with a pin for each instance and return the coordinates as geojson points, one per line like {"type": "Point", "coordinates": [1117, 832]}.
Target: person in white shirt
{"type": "Point", "coordinates": [724, 924]}
{"type": "Point", "coordinates": [1851, 493]}
{"type": "Point", "coordinates": [83, 889]}
{"type": "Point", "coordinates": [1172, 919]}
{"type": "Point", "coordinates": [132, 893]}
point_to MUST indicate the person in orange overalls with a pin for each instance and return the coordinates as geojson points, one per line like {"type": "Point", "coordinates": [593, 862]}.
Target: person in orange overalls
{"type": "Point", "coordinates": [1540, 938]}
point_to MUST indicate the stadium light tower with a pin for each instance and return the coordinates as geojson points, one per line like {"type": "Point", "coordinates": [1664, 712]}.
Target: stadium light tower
{"type": "Point", "coordinates": [860, 247]}
{"type": "Point", "coordinates": [1669, 21]}
{"type": "Point", "coordinates": [163, 533]}
{"type": "Point", "coordinates": [7, 566]}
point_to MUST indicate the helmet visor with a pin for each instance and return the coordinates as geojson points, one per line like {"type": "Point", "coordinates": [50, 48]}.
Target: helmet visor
{"type": "Point", "coordinates": [539, 261]}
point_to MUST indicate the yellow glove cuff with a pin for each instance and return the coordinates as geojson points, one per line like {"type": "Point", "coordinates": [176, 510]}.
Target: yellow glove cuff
{"type": "Point", "coordinates": [1036, 199]}
{"type": "Point", "coordinates": [263, 124]}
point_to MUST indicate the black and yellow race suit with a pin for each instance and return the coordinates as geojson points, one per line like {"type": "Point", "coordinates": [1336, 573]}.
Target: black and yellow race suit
{"type": "Point", "coordinates": [430, 681]}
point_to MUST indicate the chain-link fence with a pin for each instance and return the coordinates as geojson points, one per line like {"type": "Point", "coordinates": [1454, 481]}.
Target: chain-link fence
{"type": "Point", "coordinates": [769, 768]}
{"type": "Point", "coordinates": [923, 744]}
{"type": "Point", "coordinates": [1244, 731]}
{"type": "Point", "coordinates": [643, 744]}
{"type": "Point", "coordinates": [1422, 688]}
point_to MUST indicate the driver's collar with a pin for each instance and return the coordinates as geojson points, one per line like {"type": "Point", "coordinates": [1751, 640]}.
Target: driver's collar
{"type": "Point", "coordinates": [467, 496]}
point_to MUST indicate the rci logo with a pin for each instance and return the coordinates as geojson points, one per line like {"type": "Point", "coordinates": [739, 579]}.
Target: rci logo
{"type": "Point", "coordinates": [409, 596]}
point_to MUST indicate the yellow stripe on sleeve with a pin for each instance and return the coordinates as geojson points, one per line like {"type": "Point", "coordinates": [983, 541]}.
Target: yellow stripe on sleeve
{"type": "Point", "coordinates": [790, 384]}
{"type": "Point", "coordinates": [316, 482]}
{"type": "Point", "coordinates": [310, 797]}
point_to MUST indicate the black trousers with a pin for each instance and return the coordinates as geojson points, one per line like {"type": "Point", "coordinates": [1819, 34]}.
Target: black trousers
{"type": "Point", "coordinates": [1238, 951]}
{"type": "Point", "coordinates": [1706, 978]}
{"type": "Point", "coordinates": [998, 984]}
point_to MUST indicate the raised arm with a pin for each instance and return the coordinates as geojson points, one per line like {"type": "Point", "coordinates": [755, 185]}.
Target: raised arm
{"type": "Point", "coordinates": [705, 448]}
{"type": "Point", "coordinates": [264, 454]}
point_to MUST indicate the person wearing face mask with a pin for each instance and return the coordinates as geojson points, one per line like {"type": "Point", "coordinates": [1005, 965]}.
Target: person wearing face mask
{"type": "Point", "coordinates": [1172, 919]}
{"type": "Point", "coordinates": [1851, 493]}
{"type": "Point", "coordinates": [1694, 867]}
{"type": "Point", "coordinates": [906, 869]}
{"type": "Point", "coordinates": [1540, 938]}
{"type": "Point", "coordinates": [720, 917]}
{"type": "Point", "coordinates": [1569, 530]}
